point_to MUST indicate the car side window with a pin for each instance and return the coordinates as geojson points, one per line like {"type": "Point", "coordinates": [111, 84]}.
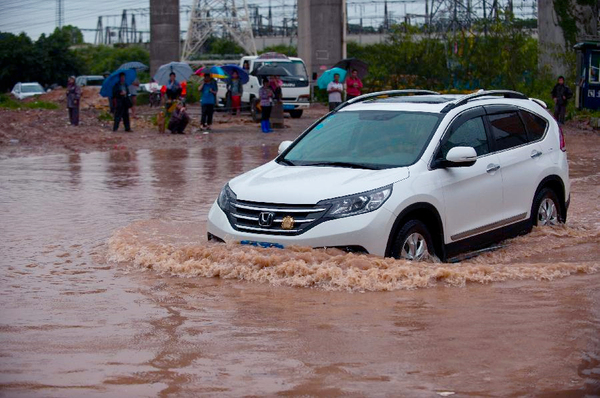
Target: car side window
{"type": "Point", "coordinates": [536, 126]}
{"type": "Point", "coordinates": [470, 133]}
{"type": "Point", "coordinates": [508, 130]}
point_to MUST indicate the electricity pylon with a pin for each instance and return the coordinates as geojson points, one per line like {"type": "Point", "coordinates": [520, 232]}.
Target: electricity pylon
{"type": "Point", "coordinates": [219, 18]}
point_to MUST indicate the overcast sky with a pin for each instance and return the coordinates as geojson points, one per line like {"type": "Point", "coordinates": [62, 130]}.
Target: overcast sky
{"type": "Point", "coordinates": [35, 17]}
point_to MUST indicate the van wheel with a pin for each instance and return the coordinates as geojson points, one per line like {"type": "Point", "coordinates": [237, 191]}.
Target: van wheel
{"type": "Point", "coordinates": [546, 208]}
{"type": "Point", "coordinates": [413, 242]}
{"type": "Point", "coordinates": [296, 113]}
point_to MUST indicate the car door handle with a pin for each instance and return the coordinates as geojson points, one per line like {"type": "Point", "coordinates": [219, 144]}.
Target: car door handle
{"type": "Point", "coordinates": [535, 153]}
{"type": "Point", "coordinates": [492, 167]}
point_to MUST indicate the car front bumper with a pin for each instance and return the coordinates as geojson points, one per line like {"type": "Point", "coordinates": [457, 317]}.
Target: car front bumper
{"type": "Point", "coordinates": [369, 231]}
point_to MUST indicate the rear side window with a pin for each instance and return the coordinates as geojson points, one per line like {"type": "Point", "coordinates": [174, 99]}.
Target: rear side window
{"type": "Point", "coordinates": [470, 133]}
{"type": "Point", "coordinates": [508, 130]}
{"type": "Point", "coordinates": [535, 125]}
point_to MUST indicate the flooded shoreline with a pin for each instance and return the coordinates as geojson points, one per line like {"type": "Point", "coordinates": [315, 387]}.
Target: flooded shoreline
{"type": "Point", "coordinates": [110, 288]}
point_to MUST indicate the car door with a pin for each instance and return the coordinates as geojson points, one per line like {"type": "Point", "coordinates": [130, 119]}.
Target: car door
{"type": "Point", "coordinates": [521, 160]}
{"type": "Point", "coordinates": [473, 194]}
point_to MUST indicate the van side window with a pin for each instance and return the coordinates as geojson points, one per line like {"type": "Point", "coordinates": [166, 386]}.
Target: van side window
{"type": "Point", "coordinates": [536, 126]}
{"type": "Point", "coordinates": [470, 133]}
{"type": "Point", "coordinates": [508, 130]}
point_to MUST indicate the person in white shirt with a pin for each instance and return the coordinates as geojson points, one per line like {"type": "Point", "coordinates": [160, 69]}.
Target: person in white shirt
{"type": "Point", "coordinates": [335, 90]}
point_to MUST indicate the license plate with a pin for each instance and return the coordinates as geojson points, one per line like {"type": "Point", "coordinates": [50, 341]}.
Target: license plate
{"type": "Point", "coordinates": [261, 244]}
{"type": "Point", "coordinates": [288, 107]}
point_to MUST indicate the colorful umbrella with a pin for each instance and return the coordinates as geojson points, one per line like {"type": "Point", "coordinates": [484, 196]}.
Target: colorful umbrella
{"type": "Point", "coordinates": [181, 69]}
{"type": "Point", "coordinates": [215, 71]}
{"type": "Point", "coordinates": [327, 77]}
{"type": "Point", "coordinates": [353, 63]}
{"type": "Point", "coordinates": [229, 69]}
{"type": "Point", "coordinates": [109, 83]}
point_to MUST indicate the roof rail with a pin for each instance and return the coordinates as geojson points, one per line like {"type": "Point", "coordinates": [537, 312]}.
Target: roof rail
{"type": "Point", "coordinates": [482, 93]}
{"type": "Point", "coordinates": [388, 93]}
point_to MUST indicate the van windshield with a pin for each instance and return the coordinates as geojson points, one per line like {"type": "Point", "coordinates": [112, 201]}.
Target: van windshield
{"type": "Point", "coordinates": [371, 139]}
{"type": "Point", "coordinates": [293, 68]}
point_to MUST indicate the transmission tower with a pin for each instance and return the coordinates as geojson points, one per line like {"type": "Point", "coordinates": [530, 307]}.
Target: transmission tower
{"type": "Point", "coordinates": [99, 39]}
{"type": "Point", "coordinates": [218, 18]}
{"type": "Point", "coordinates": [60, 16]}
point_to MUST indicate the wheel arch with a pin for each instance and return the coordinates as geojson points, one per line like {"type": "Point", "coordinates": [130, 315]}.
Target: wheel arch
{"type": "Point", "coordinates": [556, 184]}
{"type": "Point", "coordinates": [429, 215]}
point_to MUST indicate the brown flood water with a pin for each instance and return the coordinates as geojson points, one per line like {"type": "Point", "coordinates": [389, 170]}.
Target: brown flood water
{"type": "Point", "coordinates": [110, 288]}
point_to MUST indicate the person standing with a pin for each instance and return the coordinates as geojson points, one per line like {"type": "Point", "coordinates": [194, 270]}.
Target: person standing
{"type": "Point", "coordinates": [266, 102]}
{"type": "Point", "coordinates": [353, 85]}
{"type": "Point", "coordinates": [122, 103]}
{"type": "Point", "coordinates": [335, 90]}
{"type": "Point", "coordinates": [235, 89]}
{"type": "Point", "coordinates": [561, 94]}
{"type": "Point", "coordinates": [73, 97]}
{"type": "Point", "coordinates": [208, 92]}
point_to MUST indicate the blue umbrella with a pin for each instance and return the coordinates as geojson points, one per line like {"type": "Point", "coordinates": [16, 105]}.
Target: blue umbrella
{"type": "Point", "coordinates": [110, 81]}
{"type": "Point", "coordinates": [327, 77]}
{"type": "Point", "coordinates": [181, 69]}
{"type": "Point", "coordinates": [134, 65]}
{"type": "Point", "coordinates": [229, 69]}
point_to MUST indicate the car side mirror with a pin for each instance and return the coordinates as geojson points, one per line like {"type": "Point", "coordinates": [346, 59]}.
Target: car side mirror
{"type": "Point", "coordinates": [283, 146]}
{"type": "Point", "coordinates": [461, 156]}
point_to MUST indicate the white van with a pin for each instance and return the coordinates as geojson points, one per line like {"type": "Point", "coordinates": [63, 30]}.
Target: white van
{"type": "Point", "coordinates": [296, 85]}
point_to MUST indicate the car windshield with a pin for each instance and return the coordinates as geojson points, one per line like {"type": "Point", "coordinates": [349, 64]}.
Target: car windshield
{"type": "Point", "coordinates": [31, 88]}
{"type": "Point", "coordinates": [371, 139]}
{"type": "Point", "coordinates": [293, 68]}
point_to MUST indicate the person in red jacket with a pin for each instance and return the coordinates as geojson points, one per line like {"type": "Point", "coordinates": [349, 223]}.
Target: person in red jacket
{"type": "Point", "coordinates": [353, 85]}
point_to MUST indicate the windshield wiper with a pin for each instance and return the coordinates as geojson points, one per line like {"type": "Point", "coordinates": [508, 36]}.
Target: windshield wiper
{"type": "Point", "coordinates": [344, 164]}
{"type": "Point", "coordinates": [285, 161]}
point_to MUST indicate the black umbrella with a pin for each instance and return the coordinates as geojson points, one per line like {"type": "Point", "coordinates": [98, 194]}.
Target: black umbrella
{"type": "Point", "coordinates": [272, 70]}
{"type": "Point", "coordinates": [353, 63]}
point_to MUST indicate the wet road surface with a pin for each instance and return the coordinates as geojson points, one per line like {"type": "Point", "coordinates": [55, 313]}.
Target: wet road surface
{"type": "Point", "coordinates": [110, 288]}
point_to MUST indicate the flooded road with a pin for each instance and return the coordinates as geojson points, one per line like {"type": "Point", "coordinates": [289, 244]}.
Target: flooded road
{"type": "Point", "coordinates": [109, 288]}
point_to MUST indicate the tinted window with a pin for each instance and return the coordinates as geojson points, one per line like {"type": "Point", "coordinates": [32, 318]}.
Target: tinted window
{"type": "Point", "coordinates": [508, 130]}
{"type": "Point", "coordinates": [535, 125]}
{"type": "Point", "coordinates": [470, 133]}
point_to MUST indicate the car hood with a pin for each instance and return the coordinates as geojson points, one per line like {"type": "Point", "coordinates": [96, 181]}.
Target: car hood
{"type": "Point", "coordinates": [275, 183]}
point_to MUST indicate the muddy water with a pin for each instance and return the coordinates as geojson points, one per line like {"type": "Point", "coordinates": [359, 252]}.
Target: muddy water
{"type": "Point", "coordinates": [110, 288]}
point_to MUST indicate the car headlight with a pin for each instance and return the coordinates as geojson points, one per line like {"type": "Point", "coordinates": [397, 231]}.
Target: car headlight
{"type": "Point", "coordinates": [225, 198]}
{"type": "Point", "coordinates": [353, 205]}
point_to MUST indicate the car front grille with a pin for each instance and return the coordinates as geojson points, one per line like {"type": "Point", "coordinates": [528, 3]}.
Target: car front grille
{"type": "Point", "coordinates": [274, 219]}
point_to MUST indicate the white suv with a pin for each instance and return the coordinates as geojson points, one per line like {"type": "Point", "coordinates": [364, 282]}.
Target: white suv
{"type": "Point", "coordinates": [406, 174]}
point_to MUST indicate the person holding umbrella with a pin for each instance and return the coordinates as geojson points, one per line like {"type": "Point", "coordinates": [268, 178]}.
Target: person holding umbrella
{"type": "Point", "coordinates": [208, 92]}
{"type": "Point", "coordinates": [335, 90]}
{"type": "Point", "coordinates": [122, 103]}
{"type": "Point", "coordinates": [73, 96]}
{"type": "Point", "coordinates": [235, 88]}
{"type": "Point", "coordinates": [266, 97]}
{"type": "Point", "coordinates": [353, 85]}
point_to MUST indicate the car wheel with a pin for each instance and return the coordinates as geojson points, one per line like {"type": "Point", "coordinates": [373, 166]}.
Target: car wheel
{"type": "Point", "coordinates": [413, 242]}
{"type": "Point", "coordinates": [296, 113]}
{"type": "Point", "coordinates": [546, 208]}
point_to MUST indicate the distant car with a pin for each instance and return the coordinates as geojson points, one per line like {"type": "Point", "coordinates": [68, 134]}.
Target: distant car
{"type": "Point", "coordinates": [24, 90]}
{"type": "Point", "coordinates": [89, 80]}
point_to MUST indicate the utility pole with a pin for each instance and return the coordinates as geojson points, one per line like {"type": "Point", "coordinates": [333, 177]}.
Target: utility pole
{"type": "Point", "coordinates": [60, 17]}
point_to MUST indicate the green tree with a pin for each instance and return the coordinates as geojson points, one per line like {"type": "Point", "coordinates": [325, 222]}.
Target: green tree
{"type": "Point", "coordinates": [100, 59]}
{"type": "Point", "coordinates": [17, 60]}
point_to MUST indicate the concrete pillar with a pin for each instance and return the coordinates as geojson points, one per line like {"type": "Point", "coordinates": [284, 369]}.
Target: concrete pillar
{"type": "Point", "coordinates": [321, 33]}
{"type": "Point", "coordinates": [164, 33]}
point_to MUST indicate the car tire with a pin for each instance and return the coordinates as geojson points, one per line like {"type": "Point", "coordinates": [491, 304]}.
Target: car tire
{"type": "Point", "coordinates": [296, 113]}
{"type": "Point", "coordinates": [546, 209]}
{"type": "Point", "coordinates": [413, 242]}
